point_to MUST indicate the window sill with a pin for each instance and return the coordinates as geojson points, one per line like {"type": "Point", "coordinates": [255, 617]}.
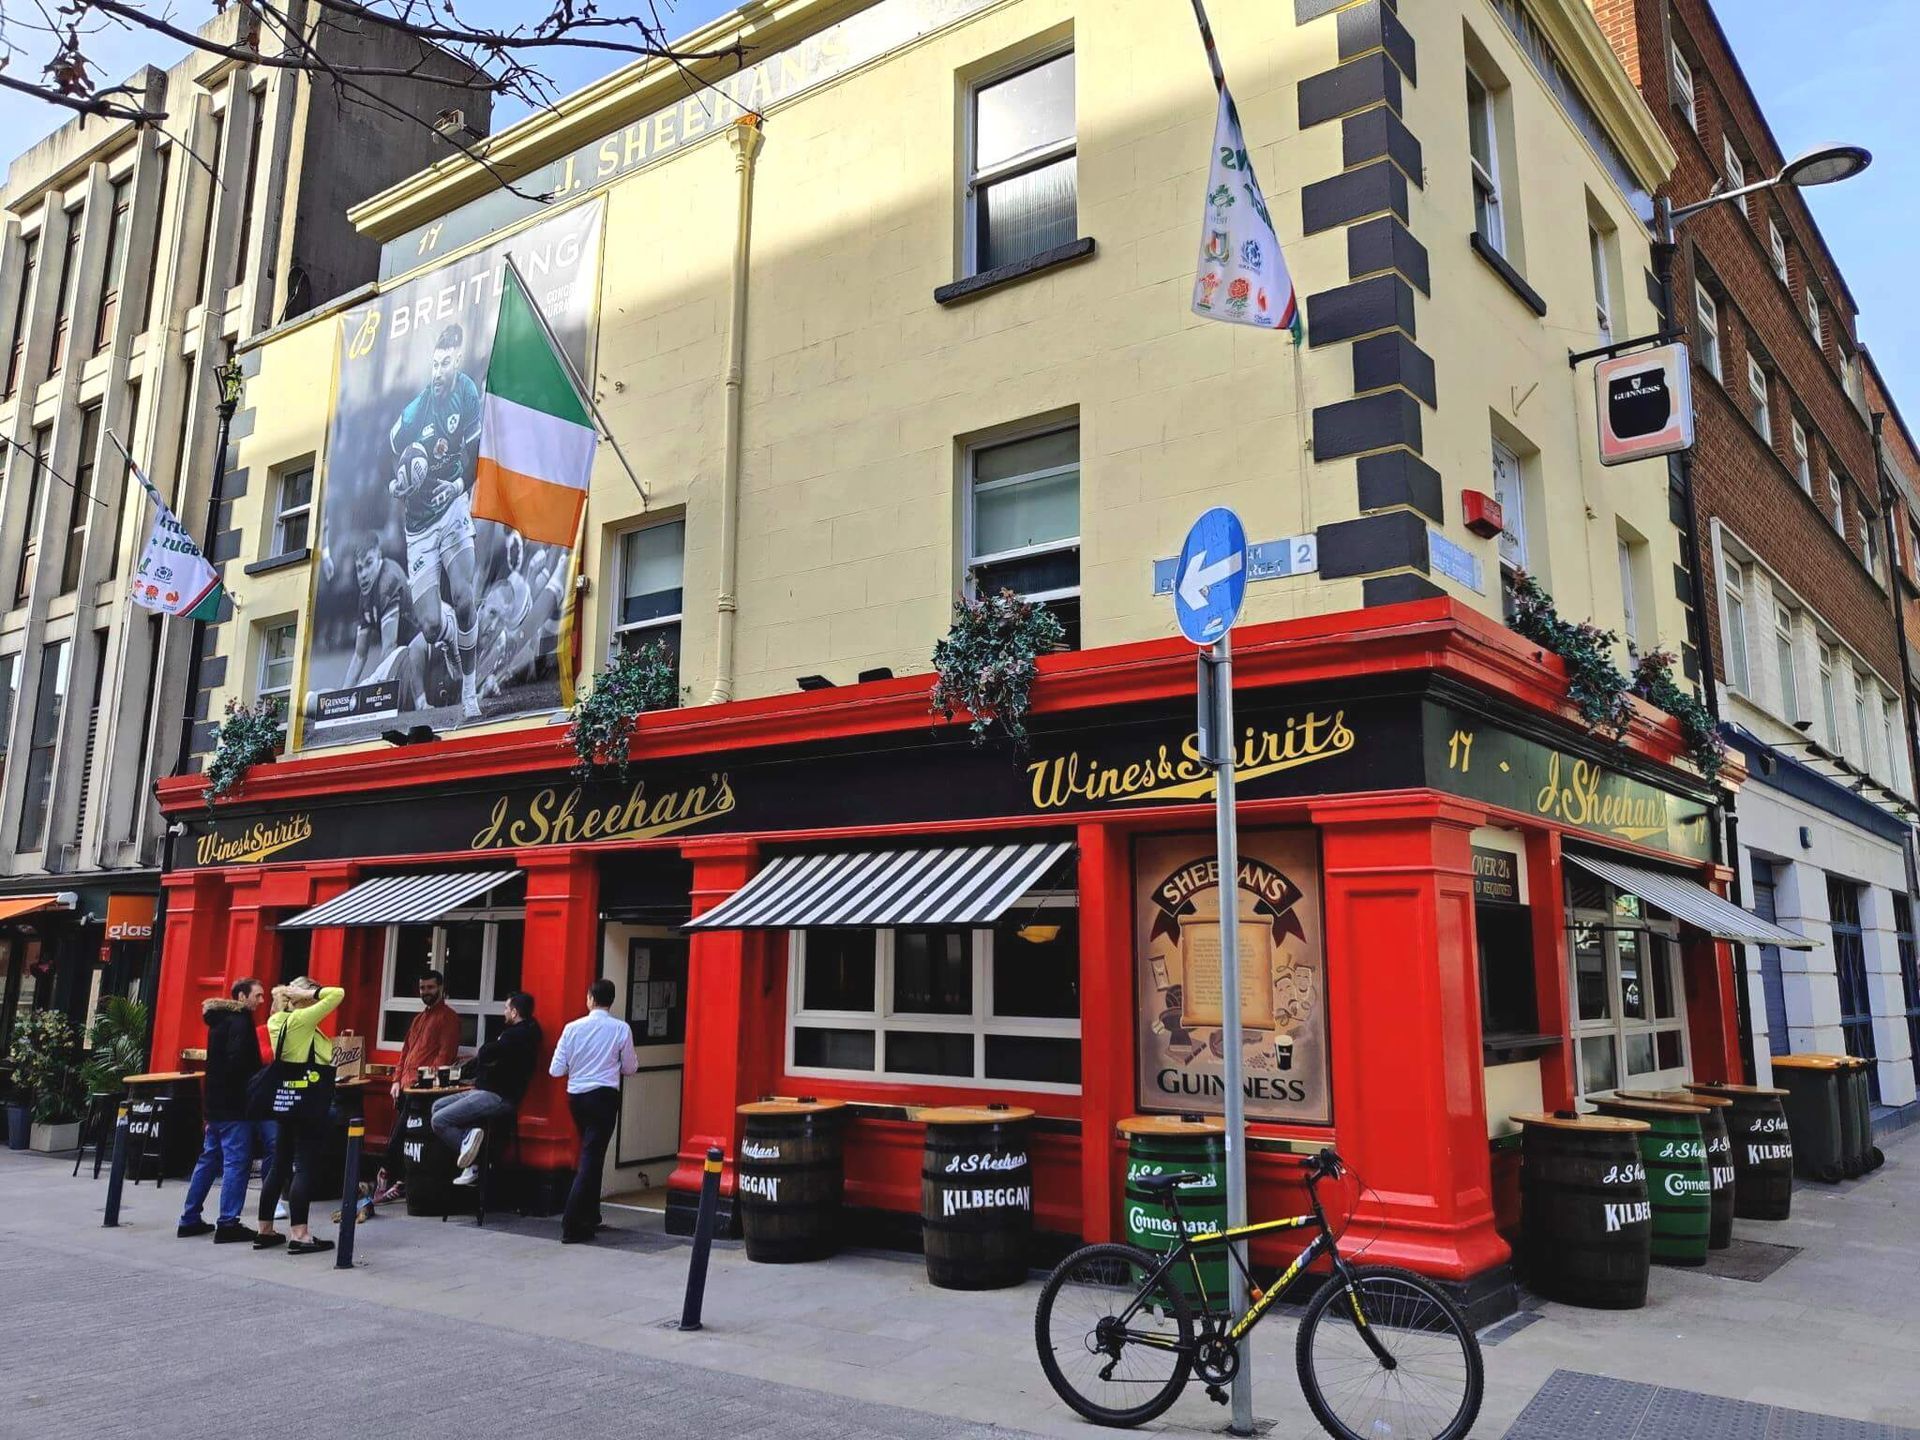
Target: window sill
{"type": "Point", "coordinates": [279, 562]}
{"type": "Point", "coordinates": [1515, 281]}
{"type": "Point", "coordinates": [1505, 1049]}
{"type": "Point", "coordinates": [1000, 275]}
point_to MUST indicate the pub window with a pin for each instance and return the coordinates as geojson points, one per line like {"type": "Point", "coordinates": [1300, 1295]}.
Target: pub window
{"type": "Point", "coordinates": [997, 1005]}
{"type": "Point", "coordinates": [1022, 173]}
{"type": "Point", "coordinates": [479, 951]}
{"type": "Point", "coordinates": [112, 273]}
{"type": "Point", "coordinates": [29, 260]}
{"type": "Point", "coordinates": [1023, 522]}
{"type": "Point", "coordinates": [292, 509]}
{"type": "Point", "coordinates": [652, 569]}
{"type": "Point", "coordinates": [1629, 1005]}
{"type": "Point", "coordinates": [1503, 933]}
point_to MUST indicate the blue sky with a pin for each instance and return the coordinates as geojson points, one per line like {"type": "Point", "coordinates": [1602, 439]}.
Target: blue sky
{"type": "Point", "coordinates": [1846, 76]}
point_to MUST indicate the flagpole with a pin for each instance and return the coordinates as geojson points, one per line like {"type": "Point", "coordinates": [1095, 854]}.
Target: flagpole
{"type": "Point", "coordinates": [1213, 55]}
{"type": "Point", "coordinates": [585, 391]}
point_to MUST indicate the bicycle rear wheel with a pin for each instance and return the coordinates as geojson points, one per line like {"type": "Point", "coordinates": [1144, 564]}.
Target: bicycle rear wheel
{"type": "Point", "coordinates": [1115, 1361]}
{"type": "Point", "coordinates": [1428, 1387]}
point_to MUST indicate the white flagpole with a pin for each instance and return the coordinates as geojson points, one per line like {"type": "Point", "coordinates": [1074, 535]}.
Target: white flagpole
{"type": "Point", "coordinates": [585, 391]}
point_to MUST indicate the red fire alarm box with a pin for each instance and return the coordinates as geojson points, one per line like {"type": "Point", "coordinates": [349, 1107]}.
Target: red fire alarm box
{"type": "Point", "coordinates": [1482, 513]}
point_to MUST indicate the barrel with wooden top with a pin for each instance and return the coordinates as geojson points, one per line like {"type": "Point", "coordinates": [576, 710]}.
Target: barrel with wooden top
{"type": "Point", "coordinates": [1678, 1186]}
{"type": "Point", "coordinates": [1812, 1083]}
{"type": "Point", "coordinates": [429, 1165]}
{"type": "Point", "coordinates": [789, 1176]}
{"type": "Point", "coordinates": [1586, 1222]}
{"type": "Point", "coordinates": [976, 1196]}
{"type": "Point", "coordinates": [1721, 1180]}
{"type": "Point", "coordinates": [1176, 1145]}
{"type": "Point", "coordinates": [164, 1124]}
{"type": "Point", "coordinates": [1761, 1147]}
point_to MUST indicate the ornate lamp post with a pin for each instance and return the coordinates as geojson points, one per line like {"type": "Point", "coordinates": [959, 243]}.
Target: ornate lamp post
{"type": "Point", "coordinates": [230, 379]}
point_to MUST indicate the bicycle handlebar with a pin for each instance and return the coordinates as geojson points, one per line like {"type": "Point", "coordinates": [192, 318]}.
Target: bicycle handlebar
{"type": "Point", "coordinates": [1326, 1165]}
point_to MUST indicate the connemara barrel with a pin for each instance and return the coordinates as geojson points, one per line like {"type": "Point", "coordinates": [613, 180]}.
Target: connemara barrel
{"type": "Point", "coordinates": [1678, 1186]}
{"type": "Point", "coordinates": [976, 1196]}
{"type": "Point", "coordinates": [1721, 1180]}
{"type": "Point", "coordinates": [788, 1179]}
{"type": "Point", "coordinates": [1174, 1145]}
{"type": "Point", "coordinates": [1761, 1147]}
{"type": "Point", "coordinates": [1586, 1222]}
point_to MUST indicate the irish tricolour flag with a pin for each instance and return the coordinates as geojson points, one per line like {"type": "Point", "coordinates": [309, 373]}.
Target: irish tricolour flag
{"type": "Point", "coordinates": [536, 439]}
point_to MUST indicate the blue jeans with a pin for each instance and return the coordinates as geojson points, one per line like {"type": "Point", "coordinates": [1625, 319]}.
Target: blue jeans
{"type": "Point", "coordinates": [227, 1152]}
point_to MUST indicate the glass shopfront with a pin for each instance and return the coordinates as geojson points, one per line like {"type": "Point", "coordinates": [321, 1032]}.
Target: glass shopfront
{"type": "Point", "coordinates": [1629, 1002]}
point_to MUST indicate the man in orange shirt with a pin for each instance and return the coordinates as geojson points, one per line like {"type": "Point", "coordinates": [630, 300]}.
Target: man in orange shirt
{"type": "Point", "coordinates": [434, 1036]}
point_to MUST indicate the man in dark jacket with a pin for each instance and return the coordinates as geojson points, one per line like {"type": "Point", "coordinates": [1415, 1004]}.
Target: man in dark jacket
{"type": "Point", "coordinates": [233, 1057]}
{"type": "Point", "coordinates": [501, 1069]}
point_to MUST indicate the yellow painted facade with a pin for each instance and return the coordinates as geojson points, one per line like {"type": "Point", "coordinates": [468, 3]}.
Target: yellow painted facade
{"type": "Point", "coordinates": [859, 393]}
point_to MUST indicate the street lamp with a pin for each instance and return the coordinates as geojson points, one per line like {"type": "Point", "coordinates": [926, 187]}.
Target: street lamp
{"type": "Point", "coordinates": [1822, 165]}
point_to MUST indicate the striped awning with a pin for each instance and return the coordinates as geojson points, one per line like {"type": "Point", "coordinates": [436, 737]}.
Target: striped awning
{"type": "Point", "coordinates": [401, 899]}
{"type": "Point", "coordinates": [960, 885]}
{"type": "Point", "coordinates": [1691, 903]}
{"type": "Point", "coordinates": [17, 905]}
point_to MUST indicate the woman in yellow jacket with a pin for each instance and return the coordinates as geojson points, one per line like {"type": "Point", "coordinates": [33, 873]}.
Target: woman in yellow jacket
{"type": "Point", "coordinates": [293, 1030]}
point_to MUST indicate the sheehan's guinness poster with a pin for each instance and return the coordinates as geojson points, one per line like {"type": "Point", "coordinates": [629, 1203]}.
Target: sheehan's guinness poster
{"type": "Point", "coordinates": [1283, 1006]}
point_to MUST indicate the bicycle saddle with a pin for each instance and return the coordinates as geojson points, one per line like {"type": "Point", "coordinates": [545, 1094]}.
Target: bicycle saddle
{"type": "Point", "coordinates": [1158, 1184]}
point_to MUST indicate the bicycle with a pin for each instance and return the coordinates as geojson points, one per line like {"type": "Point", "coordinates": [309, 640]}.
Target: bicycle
{"type": "Point", "coordinates": [1380, 1352]}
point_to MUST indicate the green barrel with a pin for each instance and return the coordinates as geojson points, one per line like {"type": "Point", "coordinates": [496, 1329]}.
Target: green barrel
{"type": "Point", "coordinates": [1679, 1182]}
{"type": "Point", "coordinates": [1171, 1145]}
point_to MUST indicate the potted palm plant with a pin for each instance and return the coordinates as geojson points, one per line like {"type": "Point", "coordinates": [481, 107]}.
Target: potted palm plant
{"type": "Point", "coordinates": [117, 1045]}
{"type": "Point", "coordinates": [45, 1067]}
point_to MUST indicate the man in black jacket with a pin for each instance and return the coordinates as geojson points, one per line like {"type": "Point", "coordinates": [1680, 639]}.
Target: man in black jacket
{"type": "Point", "coordinates": [501, 1069]}
{"type": "Point", "coordinates": [233, 1056]}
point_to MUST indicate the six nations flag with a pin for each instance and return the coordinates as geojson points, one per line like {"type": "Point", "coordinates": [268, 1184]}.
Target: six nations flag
{"type": "Point", "coordinates": [174, 577]}
{"type": "Point", "coordinates": [1242, 278]}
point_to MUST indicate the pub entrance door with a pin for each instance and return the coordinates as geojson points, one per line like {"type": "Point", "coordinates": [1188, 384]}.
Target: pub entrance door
{"type": "Point", "coordinates": [648, 967]}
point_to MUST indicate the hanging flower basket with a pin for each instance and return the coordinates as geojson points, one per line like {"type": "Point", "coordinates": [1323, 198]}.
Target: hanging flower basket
{"type": "Point", "coordinates": [986, 663]}
{"type": "Point", "coordinates": [249, 736]}
{"type": "Point", "coordinates": [1594, 683]}
{"type": "Point", "coordinates": [1653, 682]}
{"type": "Point", "coordinates": [644, 678]}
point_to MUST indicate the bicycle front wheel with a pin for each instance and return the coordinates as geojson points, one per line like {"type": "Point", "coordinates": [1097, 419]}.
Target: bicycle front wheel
{"type": "Point", "coordinates": [1114, 1347]}
{"type": "Point", "coordinates": [1419, 1379]}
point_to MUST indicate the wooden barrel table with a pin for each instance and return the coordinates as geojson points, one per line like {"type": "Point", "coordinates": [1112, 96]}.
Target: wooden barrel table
{"type": "Point", "coordinates": [1761, 1146]}
{"type": "Point", "coordinates": [1586, 1221]}
{"type": "Point", "coordinates": [1678, 1186]}
{"type": "Point", "coordinates": [976, 1196]}
{"type": "Point", "coordinates": [1721, 1180]}
{"type": "Point", "coordinates": [429, 1165]}
{"type": "Point", "coordinates": [1171, 1145]}
{"type": "Point", "coordinates": [789, 1176]}
{"type": "Point", "coordinates": [164, 1124]}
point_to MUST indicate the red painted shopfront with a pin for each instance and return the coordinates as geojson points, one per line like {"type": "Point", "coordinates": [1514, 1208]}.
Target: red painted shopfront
{"type": "Point", "coordinates": [1396, 749]}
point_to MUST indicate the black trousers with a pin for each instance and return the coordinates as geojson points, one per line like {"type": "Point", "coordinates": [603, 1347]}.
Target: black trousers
{"type": "Point", "coordinates": [297, 1155]}
{"type": "Point", "coordinates": [595, 1114]}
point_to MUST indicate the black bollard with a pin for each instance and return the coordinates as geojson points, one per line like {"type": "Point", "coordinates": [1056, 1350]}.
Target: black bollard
{"type": "Point", "coordinates": [117, 1176]}
{"type": "Point", "coordinates": [703, 1228]}
{"type": "Point", "coordinates": [350, 1197]}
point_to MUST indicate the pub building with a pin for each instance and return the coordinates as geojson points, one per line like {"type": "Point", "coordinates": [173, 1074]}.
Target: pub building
{"type": "Point", "coordinates": [1455, 904]}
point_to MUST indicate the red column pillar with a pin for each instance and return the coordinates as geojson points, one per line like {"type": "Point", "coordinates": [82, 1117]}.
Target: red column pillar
{"type": "Point", "coordinates": [328, 949]}
{"type": "Point", "coordinates": [724, 1056]}
{"type": "Point", "coordinates": [562, 959]}
{"type": "Point", "coordinates": [1546, 905]}
{"type": "Point", "coordinates": [1713, 1010]}
{"type": "Point", "coordinates": [1409, 1105]}
{"type": "Point", "coordinates": [1106, 1019]}
{"type": "Point", "coordinates": [192, 962]}
{"type": "Point", "coordinates": [245, 930]}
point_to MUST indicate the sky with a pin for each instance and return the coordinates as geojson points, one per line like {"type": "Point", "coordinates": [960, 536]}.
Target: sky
{"type": "Point", "coordinates": [1849, 75]}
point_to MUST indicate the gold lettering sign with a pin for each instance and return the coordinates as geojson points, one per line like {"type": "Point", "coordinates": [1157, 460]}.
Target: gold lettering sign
{"type": "Point", "coordinates": [1164, 775]}
{"type": "Point", "coordinates": [562, 817]}
{"type": "Point", "coordinates": [1586, 801]}
{"type": "Point", "coordinates": [255, 843]}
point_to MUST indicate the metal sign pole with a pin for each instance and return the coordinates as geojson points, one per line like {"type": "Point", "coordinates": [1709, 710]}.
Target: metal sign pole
{"type": "Point", "coordinates": [1227, 842]}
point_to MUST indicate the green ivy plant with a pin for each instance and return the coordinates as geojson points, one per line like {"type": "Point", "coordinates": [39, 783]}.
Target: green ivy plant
{"type": "Point", "coordinates": [986, 663]}
{"type": "Point", "coordinates": [249, 736]}
{"type": "Point", "coordinates": [1594, 683]}
{"type": "Point", "coordinates": [644, 678]}
{"type": "Point", "coordinates": [45, 1067]}
{"type": "Point", "coordinates": [1653, 682]}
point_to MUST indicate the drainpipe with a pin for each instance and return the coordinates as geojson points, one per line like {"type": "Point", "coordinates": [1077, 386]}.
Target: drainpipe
{"type": "Point", "coordinates": [746, 139]}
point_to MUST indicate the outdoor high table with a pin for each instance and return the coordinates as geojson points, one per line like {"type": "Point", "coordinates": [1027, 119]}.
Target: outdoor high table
{"type": "Point", "coordinates": [976, 1193]}
{"type": "Point", "coordinates": [163, 1123]}
{"type": "Point", "coordinates": [430, 1165]}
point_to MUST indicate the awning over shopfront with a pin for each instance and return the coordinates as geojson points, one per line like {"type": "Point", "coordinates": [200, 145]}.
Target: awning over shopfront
{"type": "Point", "coordinates": [1691, 903]}
{"type": "Point", "coordinates": [401, 899]}
{"type": "Point", "coordinates": [960, 885]}
{"type": "Point", "coordinates": [13, 907]}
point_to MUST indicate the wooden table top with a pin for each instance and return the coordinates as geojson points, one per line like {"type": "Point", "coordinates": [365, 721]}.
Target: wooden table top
{"type": "Point", "coordinates": [1579, 1122]}
{"type": "Point", "coordinates": [790, 1107]}
{"type": "Point", "coordinates": [1170, 1125]}
{"type": "Point", "coordinates": [1676, 1097]}
{"type": "Point", "coordinates": [1721, 1087]}
{"type": "Point", "coordinates": [969, 1115]}
{"type": "Point", "coordinates": [1648, 1107]}
{"type": "Point", "coordinates": [1815, 1062]}
{"type": "Point", "coordinates": [160, 1077]}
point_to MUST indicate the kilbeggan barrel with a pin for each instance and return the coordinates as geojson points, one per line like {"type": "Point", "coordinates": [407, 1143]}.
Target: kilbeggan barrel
{"type": "Point", "coordinates": [1586, 1221]}
{"type": "Point", "coordinates": [976, 1196]}
{"type": "Point", "coordinates": [1172, 1145]}
{"type": "Point", "coordinates": [1762, 1149]}
{"type": "Point", "coordinates": [788, 1179]}
{"type": "Point", "coordinates": [1678, 1185]}
{"type": "Point", "coordinates": [429, 1164]}
{"type": "Point", "coordinates": [1721, 1180]}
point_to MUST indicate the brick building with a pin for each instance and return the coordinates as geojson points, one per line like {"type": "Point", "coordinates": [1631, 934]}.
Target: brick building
{"type": "Point", "coordinates": [1804, 643]}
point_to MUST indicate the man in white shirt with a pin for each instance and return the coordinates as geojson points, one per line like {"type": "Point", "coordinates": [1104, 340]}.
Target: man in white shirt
{"type": "Point", "coordinates": [593, 1053]}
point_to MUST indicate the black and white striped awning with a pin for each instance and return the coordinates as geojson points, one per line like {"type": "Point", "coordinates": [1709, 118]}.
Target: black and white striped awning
{"type": "Point", "coordinates": [401, 899]}
{"type": "Point", "coordinates": [960, 885]}
{"type": "Point", "coordinates": [1692, 903]}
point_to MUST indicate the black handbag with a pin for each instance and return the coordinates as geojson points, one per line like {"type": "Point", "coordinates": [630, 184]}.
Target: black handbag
{"type": "Point", "coordinates": [289, 1089]}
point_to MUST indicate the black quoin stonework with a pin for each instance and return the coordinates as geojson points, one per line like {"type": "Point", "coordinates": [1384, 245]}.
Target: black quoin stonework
{"type": "Point", "coordinates": [1354, 195]}
{"type": "Point", "coordinates": [1384, 302]}
{"type": "Point", "coordinates": [1371, 422]}
{"type": "Point", "coordinates": [1400, 479]}
{"type": "Point", "coordinates": [1379, 134]}
{"type": "Point", "coordinates": [1396, 540]}
{"type": "Point", "coordinates": [1374, 26]}
{"type": "Point", "coordinates": [1384, 243]}
{"type": "Point", "coordinates": [1383, 361]}
{"type": "Point", "coordinates": [1357, 85]}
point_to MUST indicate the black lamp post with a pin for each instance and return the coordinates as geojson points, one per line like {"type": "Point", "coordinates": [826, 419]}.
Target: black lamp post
{"type": "Point", "coordinates": [230, 380]}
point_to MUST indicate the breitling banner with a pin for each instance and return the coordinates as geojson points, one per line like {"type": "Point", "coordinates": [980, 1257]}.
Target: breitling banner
{"type": "Point", "coordinates": [421, 613]}
{"type": "Point", "coordinates": [1283, 1006]}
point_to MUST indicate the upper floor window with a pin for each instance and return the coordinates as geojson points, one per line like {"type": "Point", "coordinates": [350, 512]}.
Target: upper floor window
{"type": "Point", "coordinates": [158, 209]}
{"type": "Point", "coordinates": [49, 706]}
{"type": "Point", "coordinates": [1783, 629]}
{"type": "Point", "coordinates": [1813, 319]}
{"type": "Point", "coordinates": [1757, 389]}
{"type": "Point", "coordinates": [1733, 604]}
{"type": "Point", "coordinates": [1860, 714]}
{"type": "Point", "coordinates": [81, 501]}
{"type": "Point", "coordinates": [292, 509]}
{"type": "Point", "coordinates": [35, 508]}
{"type": "Point", "coordinates": [1802, 461]}
{"type": "Point", "coordinates": [1837, 491]}
{"type": "Point", "coordinates": [1829, 714]}
{"type": "Point", "coordinates": [1023, 531]}
{"type": "Point", "coordinates": [1870, 542]}
{"type": "Point", "coordinates": [1483, 151]}
{"type": "Point", "coordinates": [1683, 89]}
{"type": "Point", "coordinates": [1736, 171]}
{"type": "Point", "coordinates": [114, 271]}
{"type": "Point", "coordinates": [9, 688]}
{"type": "Point", "coordinates": [1022, 173]}
{"type": "Point", "coordinates": [274, 680]}
{"type": "Point", "coordinates": [1777, 249]}
{"type": "Point", "coordinates": [1509, 490]}
{"type": "Point", "coordinates": [1707, 328]}
{"type": "Point", "coordinates": [652, 567]}
{"type": "Point", "coordinates": [1597, 253]}
{"type": "Point", "coordinates": [63, 314]}
{"type": "Point", "coordinates": [29, 259]}
{"type": "Point", "coordinates": [1629, 601]}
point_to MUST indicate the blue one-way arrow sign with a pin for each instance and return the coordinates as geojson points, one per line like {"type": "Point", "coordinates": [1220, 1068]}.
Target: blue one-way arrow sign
{"type": "Point", "coordinates": [1210, 577]}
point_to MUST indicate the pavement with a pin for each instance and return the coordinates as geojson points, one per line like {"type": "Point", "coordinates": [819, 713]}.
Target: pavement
{"type": "Point", "coordinates": [447, 1329]}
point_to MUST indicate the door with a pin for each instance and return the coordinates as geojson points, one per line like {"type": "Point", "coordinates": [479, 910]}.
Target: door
{"type": "Point", "coordinates": [648, 967]}
{"type": "Point", "coordinates": [1772, 988]}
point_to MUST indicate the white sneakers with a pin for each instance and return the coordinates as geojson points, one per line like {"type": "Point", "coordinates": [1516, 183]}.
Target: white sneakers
{"type": "Point", "coordinates": [468, 1176]}
{"type": "Point", "coordinates": [470, 1150]}
{"type": "Point", "coordinates": [469, 699]}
